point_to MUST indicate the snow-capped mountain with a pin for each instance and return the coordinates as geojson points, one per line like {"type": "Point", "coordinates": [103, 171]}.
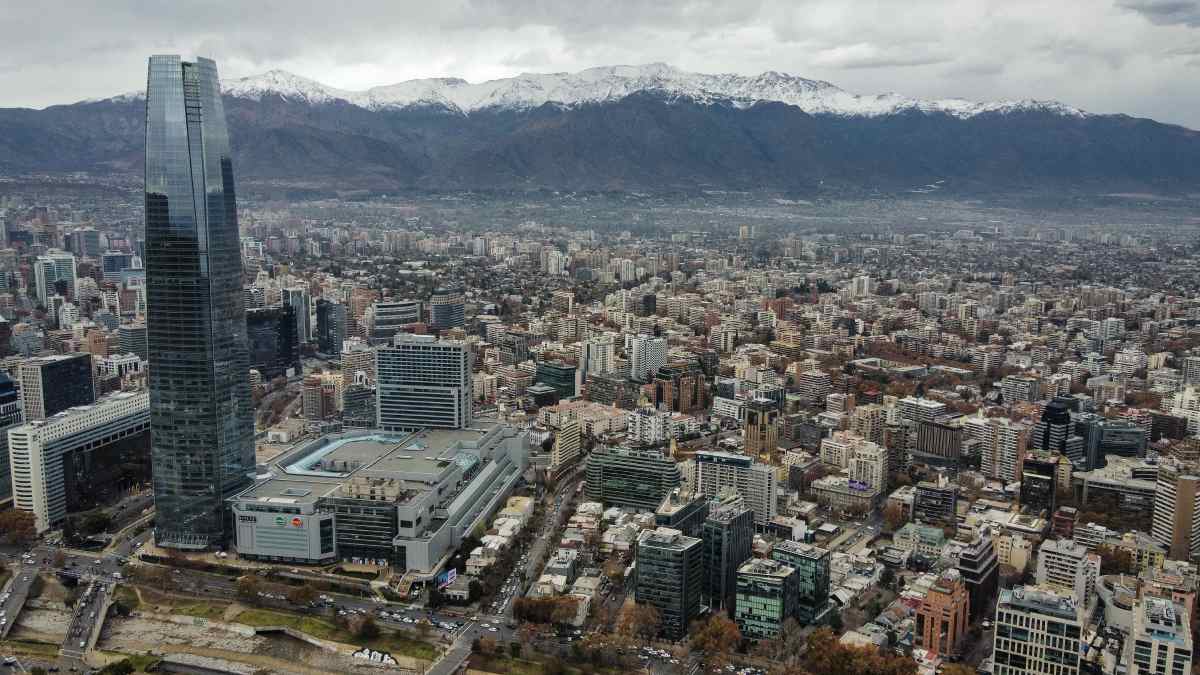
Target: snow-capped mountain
{"type": "Point", "coordinates": [631, 128]}
{"type": "Point", "coordinates": [609, 83]}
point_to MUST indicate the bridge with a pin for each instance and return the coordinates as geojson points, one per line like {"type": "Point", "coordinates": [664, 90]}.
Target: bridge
{"type": "Point", "coordinates": [14, 595]}
{"type": "Point", "coordinates": [88, 618]}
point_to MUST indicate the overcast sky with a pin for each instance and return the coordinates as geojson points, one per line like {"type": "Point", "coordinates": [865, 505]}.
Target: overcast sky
{"type": "Point", "coordinates": [1140, 57]}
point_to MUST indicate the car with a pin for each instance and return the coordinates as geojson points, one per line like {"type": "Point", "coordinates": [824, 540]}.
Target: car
{"type": "Point", "coordinates": [493, 629]}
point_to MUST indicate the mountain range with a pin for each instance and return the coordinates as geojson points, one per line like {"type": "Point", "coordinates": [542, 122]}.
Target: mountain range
{"type": "Point", "coordinates": [629, 128]}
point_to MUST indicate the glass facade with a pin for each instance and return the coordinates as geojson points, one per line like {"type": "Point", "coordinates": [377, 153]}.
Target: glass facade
{"type": "Point", "coordinates": [200, 417]}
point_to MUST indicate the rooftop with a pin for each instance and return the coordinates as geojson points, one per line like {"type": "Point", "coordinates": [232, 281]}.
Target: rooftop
{"type": "Point", "coordinates": [765, 567]}
{"type": "Point", "coordinates": [1041, 600]}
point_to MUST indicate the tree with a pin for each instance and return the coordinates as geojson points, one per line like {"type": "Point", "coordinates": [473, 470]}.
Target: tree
{"type": "Point", "coordinates": [248, 587]}
{"type": "Point", "coordinates": [956, 669]}
{"type": "Point", "coordinates": [366, 628]}
{"type": "Point", "coordinates": [887, 577]}
{"type": "Point", "coordinates": [825, 655]}
{"type": "Point", "coordinates": [716, 637]}
{"type": "Point", "coordinates": [487, 645]}
{"type": "Point", "coordinates": [1114, 560]}
{"type": "Point", "coordinates": [893, 517]}
{"type": "Point", "coordinates": [639, 622]}
{"type": "Point", "coordinates": [17, 527]}
{"type": "Point", "coordinates": [95, 523]}
{"type": "Point", "coordinates": [122, 667]}
{"type": "Point", "coordinates": [302, 595]}
{"type": "Point", "coordinates": [787, 647]}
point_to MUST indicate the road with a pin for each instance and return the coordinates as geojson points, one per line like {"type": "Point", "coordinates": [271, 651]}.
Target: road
{"type": "Point", "coordinates": [446, 623]}
{"type": "Point", "coordinates": [14, 598]}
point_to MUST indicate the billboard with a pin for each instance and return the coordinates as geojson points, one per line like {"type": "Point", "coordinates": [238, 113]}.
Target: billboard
{"type": "Point", "coordinates": [446, 578]}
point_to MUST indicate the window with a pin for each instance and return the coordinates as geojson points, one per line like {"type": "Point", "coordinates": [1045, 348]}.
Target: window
{"type": "Point", "coordinates": [327, 535]}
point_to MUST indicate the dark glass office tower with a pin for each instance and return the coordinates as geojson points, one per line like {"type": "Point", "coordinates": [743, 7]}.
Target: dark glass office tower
{"type": "Point", "coordinates": [200, 418]}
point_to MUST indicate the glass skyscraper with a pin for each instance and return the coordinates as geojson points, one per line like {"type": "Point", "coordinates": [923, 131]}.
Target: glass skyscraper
{"type": "Point", "coordinates": [200, 417]}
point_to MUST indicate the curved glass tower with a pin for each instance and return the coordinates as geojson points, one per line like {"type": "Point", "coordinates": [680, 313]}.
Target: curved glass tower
{"type": "Point", "coordinates": [200, 418]}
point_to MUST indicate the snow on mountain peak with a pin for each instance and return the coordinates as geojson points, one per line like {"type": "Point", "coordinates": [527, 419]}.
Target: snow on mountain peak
{"type": "Point", "coordinates": [609, 83]}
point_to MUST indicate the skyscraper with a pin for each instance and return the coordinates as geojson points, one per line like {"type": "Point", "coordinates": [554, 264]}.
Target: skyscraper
{"type": "Point", "coordinates": [331, 326]}
{"type": "Point", "coordinates": [297, 298]}
{"type": "Point", "coordinates": [670, 577]}
{"type": "Point", "coordinates": [201, 428]}
{"type": "Point", "coordinates": [728, 535]}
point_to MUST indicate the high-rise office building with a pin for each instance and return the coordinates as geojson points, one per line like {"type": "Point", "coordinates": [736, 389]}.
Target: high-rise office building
{"type": "Point", "coordinates": [423, 382]}
{"type": "Point", "coordinates": [812, 572]}
{"type": "Point", "coordinates": [273, 343]}
{"type": "Point", "coordinates": [936, 502]}
{"type": "Point", "coordinates": [10, 416]}
{"type": "Point", "coordinates": [1176, 521]}
{"type": "Point", "coordinates": [331, 326]}
{"type": "Point", "coordinates": [1161, 639]}
{"type": "Point", "coordinates": [942, 615]}
{"type": "Point", "coordinates": [80, 458]}
{"type": "Point", "coordinates": [638, 479]}
{"type": "Point", "coordinates": [767, 593]}
{"type": "Point", "coordinates": [980, 569]}
{"type": "Point", "coordinates": [446, 308]}
{"type": "Point", "coordinates": [683, 511]}
{"type": "Point", "coordinates": [358, 406]}
{"type": "Point", "coordinates": [51, 384]}
{"type": "Point", "coordinates": [761, 429]}
{"type": "Point", "coordinates": [54, 274]}
{"type": "Point", "coordinates": [297, 299]}
{"type": "Point", "coordinates": [717, 471]}
{"type": "Point", "coordinates": [670, 576]}
{"type": "Point", "coordinates": [132, 339]}
{"type": "Point", "coordinates": [200, 416]}
{"type": "Point", "coordinates": [388, 317]}
{"type": "Point", "coordinates": [113, 263]}
{"type": "Point", "coordinates": [1038, 630]}
{"type": "Point", "coordinates": [728, 535]}
{"type": "Point", "coordinates": [1039, 483]}
{"type": "Point", "coordinates": [559, 375]}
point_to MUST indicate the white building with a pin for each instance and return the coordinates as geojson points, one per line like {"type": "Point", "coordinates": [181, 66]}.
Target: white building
{"type": "Point", "coordinates": [755, 482]}
{"type": "Point", "coordinates": [1161, 639]}
{"type": "Point", "coordinates": [647, 426]}
{"type": "Point", "coordinates": [868, 465]}
{"type": "Point", "coordinates": [1068, 566]}
{"type": "Point", "coordinates": [646, 355]}
{"type": "Point", "coordinates": [423, 382]}
{"type": "Point", "coordinates": [599, 355]}
{"type": "Point", "coordinates": [40, 479]}
{"type": "Point", "coordinates": [1038, 630]}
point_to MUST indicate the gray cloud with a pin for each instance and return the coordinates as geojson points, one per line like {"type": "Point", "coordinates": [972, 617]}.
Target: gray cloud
{"type": "Point", "coordinates": [1166, 12]}
{"type": "Point", "coordinates": [1088, 53]}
